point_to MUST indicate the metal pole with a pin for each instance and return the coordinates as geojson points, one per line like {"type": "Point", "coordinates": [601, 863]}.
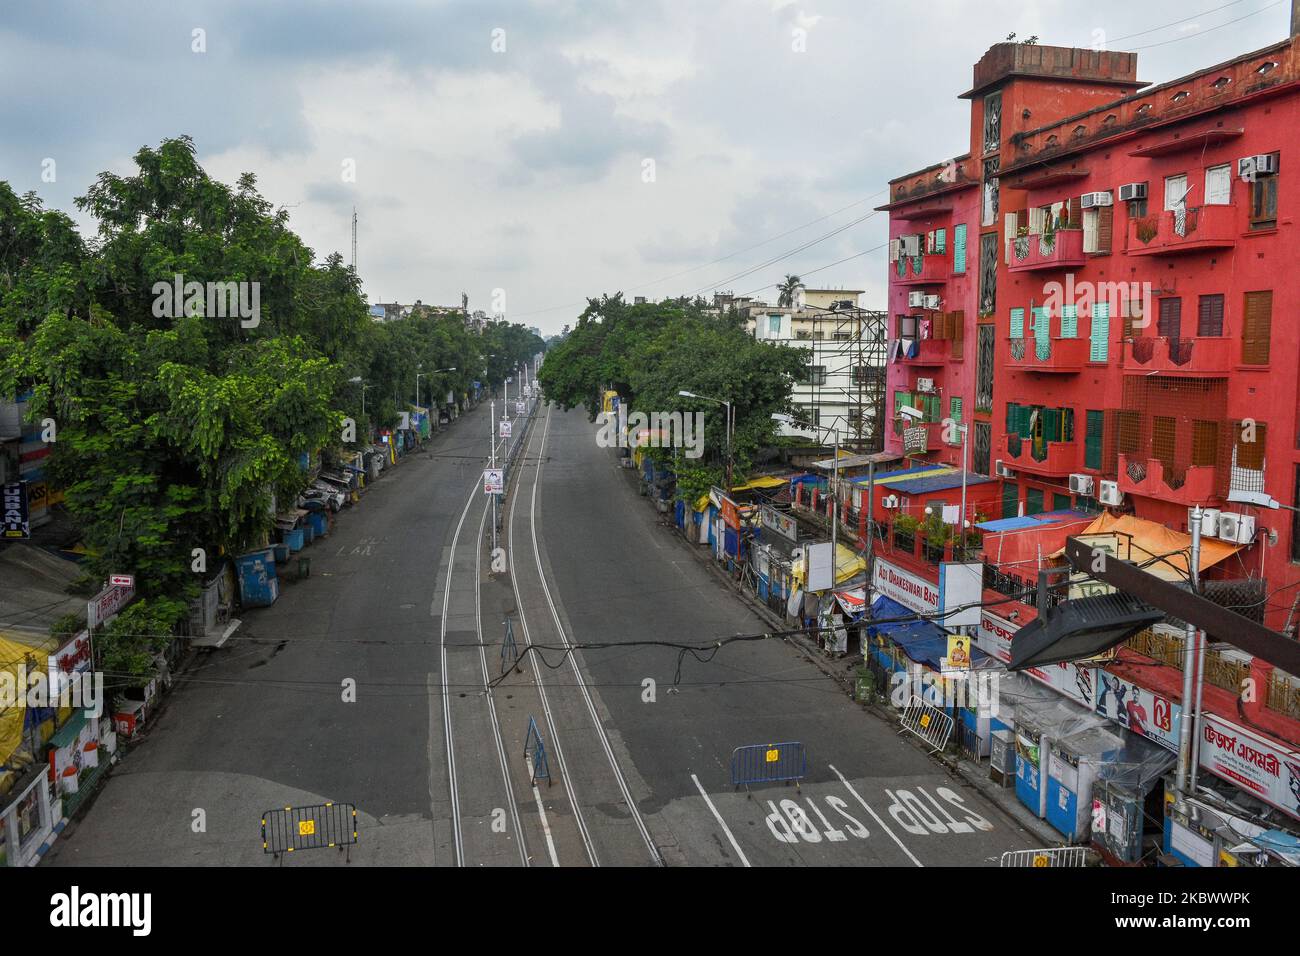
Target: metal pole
{"type": "Point", "coordinates": [835, 511]}
{"type": "Point", "coordinates": [1194, 571]}
{"type": "Point", "coordinates": [961, 519]}
{"type": "Point", "coordinates": [1189, 663]}
{"type": "Point", "coordinates": [492, 435]}
{"type": "Point", "coordinates": [729, 459]}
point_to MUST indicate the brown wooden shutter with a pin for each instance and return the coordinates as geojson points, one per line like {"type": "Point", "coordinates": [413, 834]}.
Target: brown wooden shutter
{"type": "Point", "coordinates": [1105, 227]}
{"type": "Point", "coordinates": [1076, 213]}
{"type": "Point", "coordinates": [1256, 328]}
{"type": "Point", "coordinates": [1250, 454]}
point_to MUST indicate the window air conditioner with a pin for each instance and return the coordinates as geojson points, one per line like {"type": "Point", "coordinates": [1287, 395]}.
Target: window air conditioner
{"type": "Point", "coordinates": [1132, 191]}
{"type": "Point", "coordinates": [925, 385]}
{"type": "Point", "coordinates": [932, 302]}
{"type": "Point", "coordinates": [1263, 164]}
{"type": "Point", "coordinates": [916, 300]}
{"type": "Point", "coordinates": [1081, 484]}
{"type": "Point", "coordinates": [1093, 200]}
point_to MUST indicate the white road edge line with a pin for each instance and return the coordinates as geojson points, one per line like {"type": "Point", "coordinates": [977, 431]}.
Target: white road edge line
{"type": "Point", "coordinates": [541, 812]}
{"type": "Point", "coordinates": [721, 822]}
{"type": "Point", "coordinates": [875, 816]}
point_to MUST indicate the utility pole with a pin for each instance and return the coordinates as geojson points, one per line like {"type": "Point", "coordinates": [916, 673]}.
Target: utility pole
{"type": "Point", "coordinates": [492, 433]}
{"type": "Point", "coordinates": [1186, 743]}
{"type": "Point", "coordinates": [354, 238]}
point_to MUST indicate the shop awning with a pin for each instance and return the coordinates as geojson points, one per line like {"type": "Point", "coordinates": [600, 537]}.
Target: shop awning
{"type": "Point", "coordinates": [924, 642]}
{"type": "Point", "coordinates": [1161, 551]}
{"type": "Point", "coordinates": [767, 481]}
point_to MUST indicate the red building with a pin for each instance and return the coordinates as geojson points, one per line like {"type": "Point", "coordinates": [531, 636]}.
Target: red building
{"type": "Point", "coordinates": [1092, 289]}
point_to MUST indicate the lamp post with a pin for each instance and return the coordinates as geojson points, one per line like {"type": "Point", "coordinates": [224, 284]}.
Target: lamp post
{"type": "Point", "coordinates": [727, 405]}
{"type": "Point", "coordinates": [358, 380]}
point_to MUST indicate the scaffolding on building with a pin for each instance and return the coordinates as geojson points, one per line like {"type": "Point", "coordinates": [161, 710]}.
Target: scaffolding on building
{"type": "Point", "coordinates": [865, 330]}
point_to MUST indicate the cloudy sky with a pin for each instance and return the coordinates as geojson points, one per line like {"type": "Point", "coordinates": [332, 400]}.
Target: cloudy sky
{"type": "Point", "coordinates": [553, 149]}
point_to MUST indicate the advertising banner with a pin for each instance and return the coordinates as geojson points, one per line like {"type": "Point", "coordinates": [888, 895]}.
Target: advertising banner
{"type": "Point", "coordinates": [1260, 767]}
{"type": "Point", "coordinates": [909, 590]}
{"type": "Point", "coordinates": [14, 515]}
{"type": "Point", "coordinates": [1140, 710]}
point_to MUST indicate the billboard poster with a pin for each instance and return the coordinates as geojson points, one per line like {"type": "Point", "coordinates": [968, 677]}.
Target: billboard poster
{"type": "Point", "coordinates": [1260, 767]}
{"type": "Point", "coordinates": [1139, 710]}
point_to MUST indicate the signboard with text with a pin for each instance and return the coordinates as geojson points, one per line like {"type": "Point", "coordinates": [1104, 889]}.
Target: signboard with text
{"type": "Point", "coordinates": [909, 590]}
{"type": "Point", "coordinates": [505, 428]}
{"type": "Point", "coordinates": [104, 606]}
{"type": "Point", "coordinates": [779, 522]}
{"type": "Point", "coordinates": [14, 515]}
{"type": "Point", "coordinates": [1260, 767]}
{"type": "Point", "coordinates": [494, 481]}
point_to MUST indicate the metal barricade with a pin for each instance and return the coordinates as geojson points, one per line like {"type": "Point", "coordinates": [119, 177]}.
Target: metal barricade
{"type": "Point", "coordinates": [768, 763]}
{"type": "Point", "coordinates": [309, 828]}
{"type": "Point", "coordinates": [928, 722]}
{"type": "Point", "coordinates": [539, 768]}
{"type": "Point", "coordinates": [970, 743]}
{"type": "Point", "coordinates": [1067, 856]}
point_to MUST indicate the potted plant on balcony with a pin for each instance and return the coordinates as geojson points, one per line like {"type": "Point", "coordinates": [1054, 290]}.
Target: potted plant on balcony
{"type": "Point", "coordinates": [1146, 229]}
{"type": "Point", "coordinates": [1020, 245]}
{"type": "Point", "coordinates": [905, 532]}
{"type": "Point", "coordinates": [1047, 241]}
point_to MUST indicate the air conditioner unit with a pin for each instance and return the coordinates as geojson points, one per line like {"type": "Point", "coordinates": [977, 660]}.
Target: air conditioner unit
{"type": "Point", "coordinates": [1093, 200]}
{"type": "Point", "coordinates": [925, 385]}
{"type": "Point", "coordinates": [932, 302]}
{"type": "Point", "coordinates": [1239, 529]}
{"type": "Point", "coordinates": [1209, 521]}
{"type": "Point", "coordinates": [916, 300]}
{"type": "Point", "coordinates": [1263, 164]}
{"type": "Point", "coordinates": [911, 245]}
{"type": "Point", "coordinates": [1002, 471]}
{"type": "Point", "coordinates": [1132, 191]}
{"type": "Point", "coordinates": [1081, 484]}
{"type": "Point", "coordinates": [1109, 494]}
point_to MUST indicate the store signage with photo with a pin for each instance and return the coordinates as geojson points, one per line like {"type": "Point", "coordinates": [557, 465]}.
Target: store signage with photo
{"type": "Point", "coordinates": [779, 522]}
{"type": "Point", "coordinates": [1139, 710]}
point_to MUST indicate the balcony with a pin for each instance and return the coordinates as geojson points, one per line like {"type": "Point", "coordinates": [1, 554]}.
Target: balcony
{"type": "Point", "coordinates": [1147, 478]}
{"type": "Point", "coordinates": [1050, 457]}
{"type": "Point", "coordinates": [930, 352]}
{"type": "Point", "coordinates": [1202, 227]}
{"type": "Point", "coordinates": [1062, 356]}
{"type": "Point", "coordinates": [922, 270]}
{"type": "Point", "coordinates": [1201, 356]}
{"type": "Point", "coordinates": [1061, 250]}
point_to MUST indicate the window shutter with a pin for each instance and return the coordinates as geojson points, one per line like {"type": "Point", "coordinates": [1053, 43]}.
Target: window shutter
{"type": "Point", "coordinates": [941, 241]}
{"type": "Point", "coordinates": [1099, 343]}
{"type": "Point", "coordinates": [1009, 228]}
{"type": "Point", "coordinates": [954, 408]}
{"type": "Point", "coordinates": [1170, 323]}
{"type": "Point", "coordinates": [1017, 323]}
{"type": "Point", "coordinates": [1069, 321]}
{"type": "Point", "coordinates": [1075, 220]}
{"type": "Point", "coordinates": [1041, 326]}
{"type": "Point", "coordinates": [1210, 322]}
{"type": "Point", "coordinates": [959, 248]}
{"type": "Point", "coordinates": [1105, 227]}
{"type": "Point", "coordinates": [1256, 328]}
{"type": "Point", "coordinates": [1092, 439]}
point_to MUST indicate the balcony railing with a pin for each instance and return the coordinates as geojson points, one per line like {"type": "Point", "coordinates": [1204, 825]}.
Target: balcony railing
{"type": "Point", "coordinates": [1062, 249]}
{"type": "Point", "coordinates": [1042, 458]}
{"type": "Point", "coordinates": [1201, 355]}
{"type": "Point", "coordinates": [1150, 478]}
{"type": "Point", "coordinates": [1169, 233]}
{"type": "Point", "coordinates": [930, 352]}
{"type": "Point", "coordinates": [922, 270]}
{"type": "Point", "coordinates": [1046, 354]}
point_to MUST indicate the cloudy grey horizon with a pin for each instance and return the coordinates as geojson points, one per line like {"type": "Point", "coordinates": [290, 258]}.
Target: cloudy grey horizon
{"type": "Point", "coordinates": [555, 150]}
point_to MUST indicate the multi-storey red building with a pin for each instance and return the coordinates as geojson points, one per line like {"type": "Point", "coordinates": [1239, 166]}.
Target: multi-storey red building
{"type": "Point", "coordinates": [1093, 290]}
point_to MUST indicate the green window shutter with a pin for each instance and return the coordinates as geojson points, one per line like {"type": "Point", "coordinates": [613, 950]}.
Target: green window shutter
{"type": "Point", "coordinates": [1017, 323]}
{"type": "Point", "coordinates": [1033, 501]}
{"type": "Point", "coordinates": [1099, 347]}
{"type": "Point", "coordinates": [1026, 413]}
{"type": "Point", "coordinates": [902, 400]}
{"type": "Point", "coordinates": [1041, 327]}
{"type": "Point", "coordinates": [1060, 502]}
{"type": "Point", "coordinates": [941, 241]}
{"type": "Point", "coordinates": [1013, 418]}
{"type": "Point", "coordinates": [1051, 424]}
{"type": "Point", "coordinates": [1067, 424]}
{"type": "Point", "coordinates": [1092, 441]}
{"type": "Point", "coordinates": [954, 408]}
{"type": "Point", "coordinates": [1010, 499]}
{"type": "Point", "coordinates": [1069, 321]}
{"type": "Point", "coordinates": [959, 248]}
{"type": "Point", "coordinates": [932, 409]}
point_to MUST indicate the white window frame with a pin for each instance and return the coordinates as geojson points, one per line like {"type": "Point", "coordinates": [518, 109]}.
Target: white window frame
{"type": "Point", "coordinates": [1174, 197]}
{"type": "Point", "coordinates": [1223, 196]}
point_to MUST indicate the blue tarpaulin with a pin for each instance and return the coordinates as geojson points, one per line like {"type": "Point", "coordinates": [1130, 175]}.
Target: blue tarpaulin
{"type": "Point", "coordinates": [922, 641]}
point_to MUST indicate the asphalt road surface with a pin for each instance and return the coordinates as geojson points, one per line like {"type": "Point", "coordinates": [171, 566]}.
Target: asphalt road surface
{"type": "Point", "coordinates": [408, 599]}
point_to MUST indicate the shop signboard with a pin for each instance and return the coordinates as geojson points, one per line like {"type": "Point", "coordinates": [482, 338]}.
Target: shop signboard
{"type": "Point", "coordinates": [908, 589]}
{"type": "Point", "coordinates": [1137, 709]}
{"type": "Point", "coordinates": [1075, 680]}
{"type": "Point", "coordinates": [1260, 767]}
{"type": "Point", "coordinates": [494, 481]}
{"type": "Point", "coordinates": [14, 516]}
{"type": "Point", "coordinates": [779, 522]}
{"type": "Point", "coordinates": [103, 607]}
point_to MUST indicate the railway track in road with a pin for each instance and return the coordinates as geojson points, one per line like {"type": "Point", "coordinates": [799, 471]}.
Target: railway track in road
{"type": "Point", "coordinates": [590, 755]}
{"type": "Point", "coordinates": [470, 717]}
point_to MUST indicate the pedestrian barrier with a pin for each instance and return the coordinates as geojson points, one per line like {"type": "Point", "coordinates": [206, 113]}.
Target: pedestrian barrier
{"type": "Point", "coordinates": [768, 763]}
{"type": "Point", "coordinates": [970, 743]}
{"type": "Point", "coordinates": [509, 649]}
{"type": "Point", "coordinates": [309, 828]}
{"type": "Point", "coordinates": [1067, 856]}
{"type": "Point", "coordinates": [928, 722]}
{"type": "Point", "coordinates": [535, 754]}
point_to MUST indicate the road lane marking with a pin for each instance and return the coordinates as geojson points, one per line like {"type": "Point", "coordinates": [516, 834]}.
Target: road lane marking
{"type": "Point", "coordinates": [721, 822]}
{"type": "Point", "coordinates": [541, 810]}
{"type": "Point", "coordinates": [875, 816]}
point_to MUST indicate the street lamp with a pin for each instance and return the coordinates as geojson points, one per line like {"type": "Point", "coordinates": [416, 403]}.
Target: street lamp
{"type": "Point", "coordinates": [717, 401]}
{"type": "Point", "coordinates": [358, 380]}
{"type": "Point", "coordinates": [835, 485]}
